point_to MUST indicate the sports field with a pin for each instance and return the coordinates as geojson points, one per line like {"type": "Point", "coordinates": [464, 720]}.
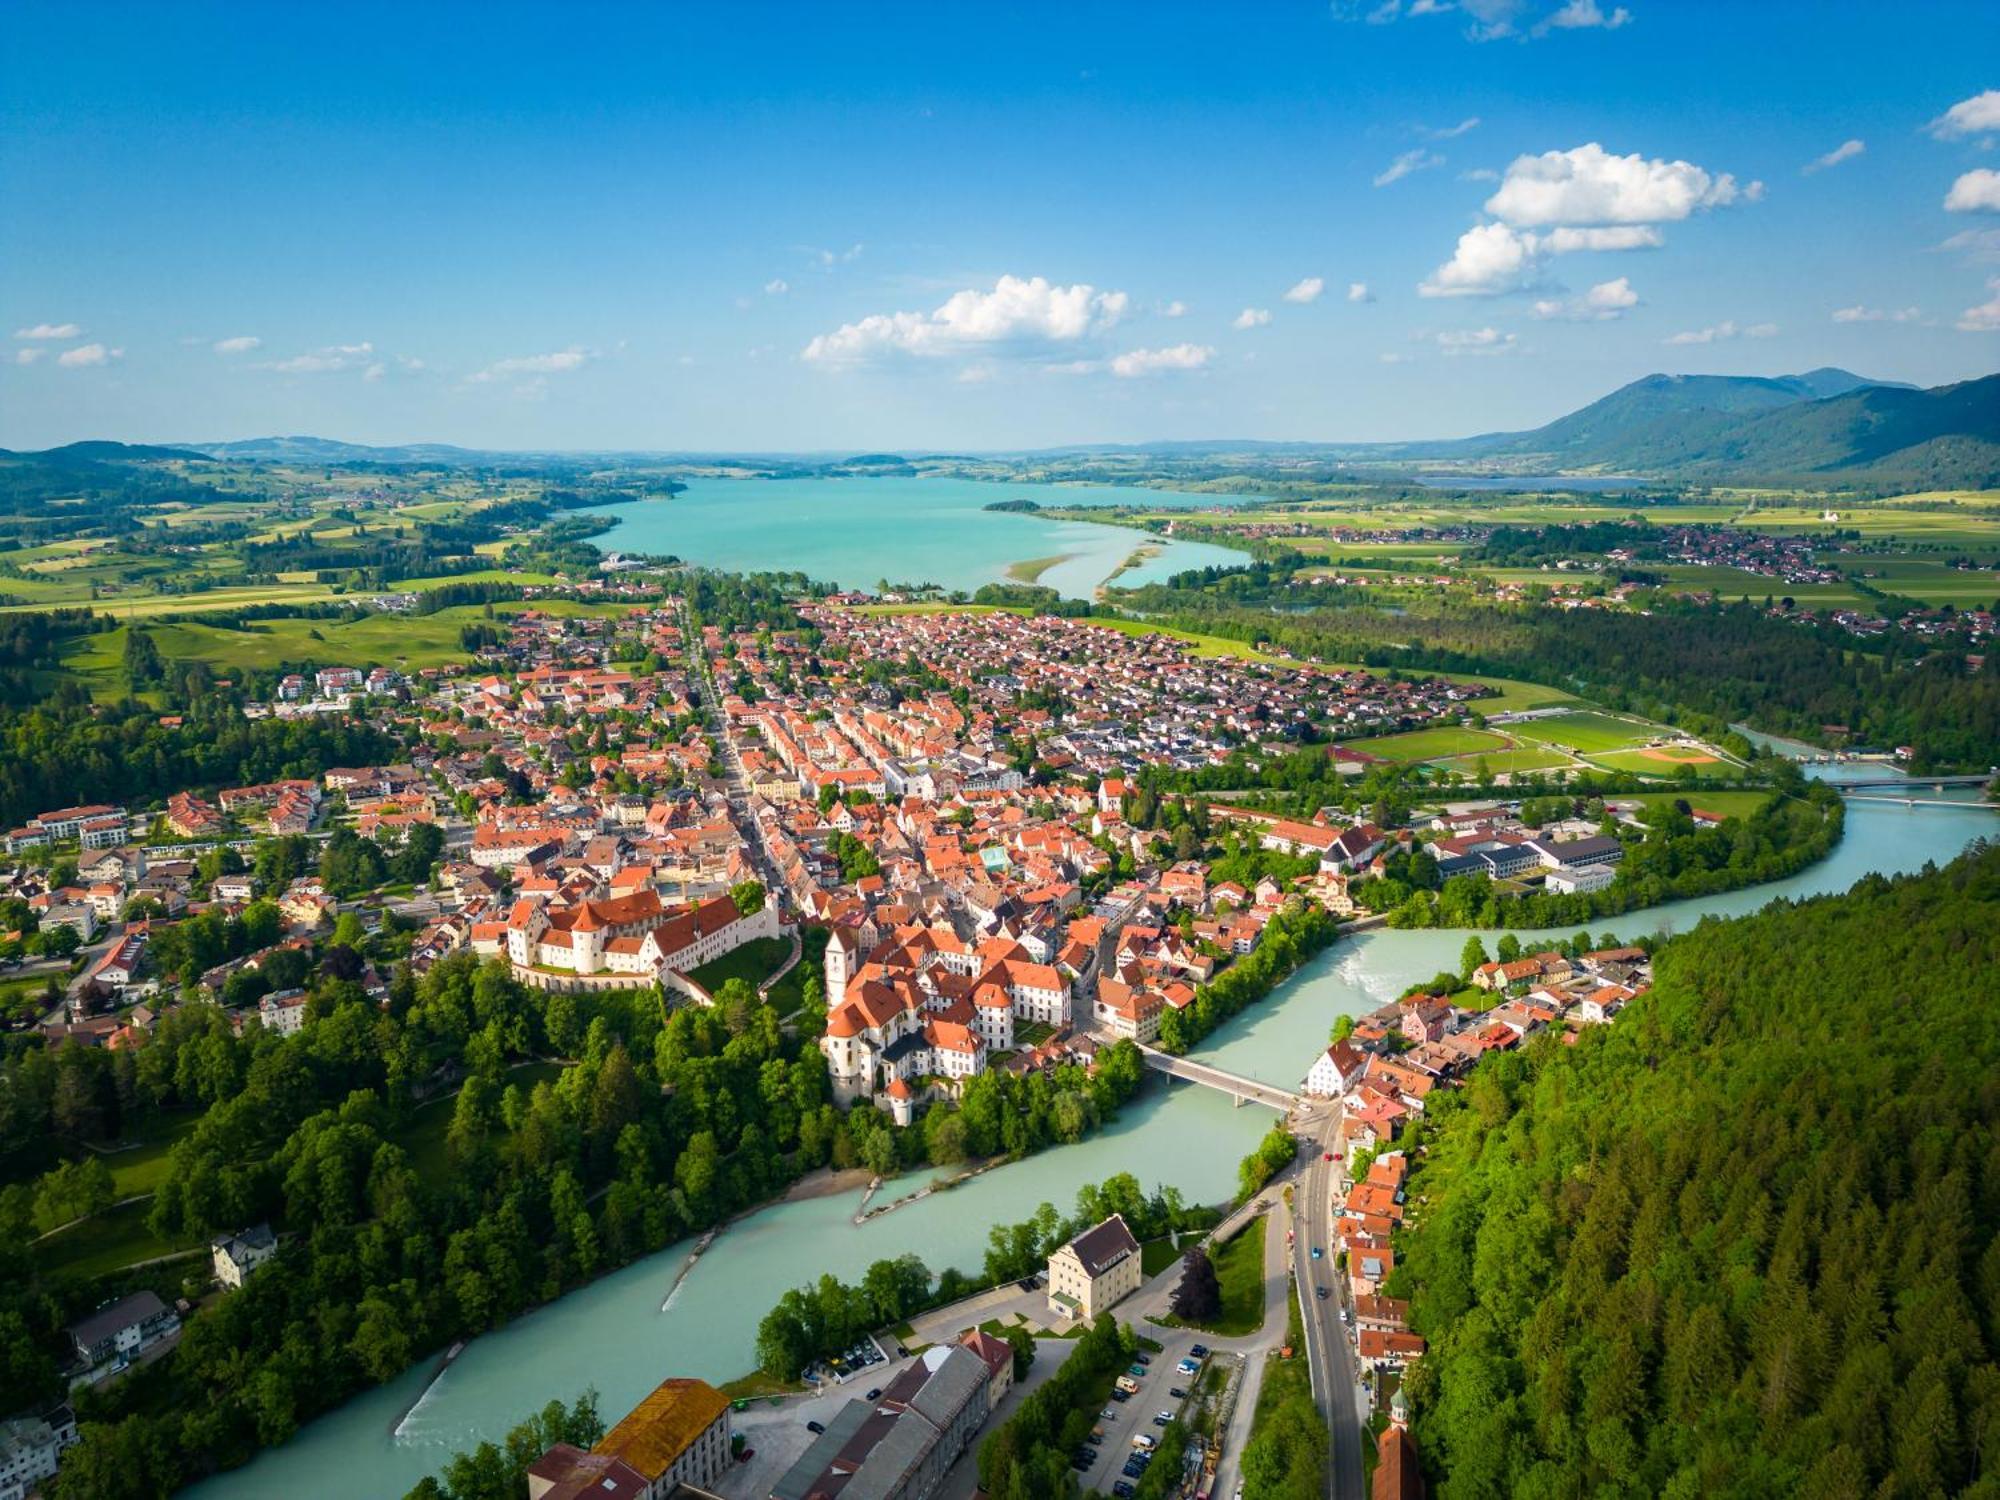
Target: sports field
{"type": "Point", "coordinates": [1666, 761]}
{"type": "Point", "coordinates": [1584, 732]}
{"type": "Point", "coordinates": [1431, 744]}
{"type": "Point", "coordinates": [1520, 758]}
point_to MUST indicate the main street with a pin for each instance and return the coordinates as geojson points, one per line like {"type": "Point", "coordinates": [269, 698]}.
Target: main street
{"type": "Point", "coordinates": [735, 785]}
{"type": "Point", "coordinates": [1335, 1377]}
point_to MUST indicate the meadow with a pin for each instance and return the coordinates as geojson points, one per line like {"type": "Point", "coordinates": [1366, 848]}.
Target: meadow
{"type": "Point", "coordinates": [1585, 732]}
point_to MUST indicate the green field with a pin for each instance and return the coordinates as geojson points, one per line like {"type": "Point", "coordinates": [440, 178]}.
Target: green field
{"type": "Point", "coordinates": [1519, 759]}
{"type": "Point", "coordinates": [1728, 804]}
{"type": "Point", "coordinates": [1585, 732]}
{"type": "Point", "coordinates": [753, 963]}
{"type": "Point", "coordinates": [1239, 1270]}
{"type": "Point", "coordinates": [1430, 744]}
{"type": "Point", "coordinates": [106, 1242]}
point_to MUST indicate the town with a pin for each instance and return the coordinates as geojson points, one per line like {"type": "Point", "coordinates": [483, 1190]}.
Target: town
{"type": "Point", "coordinates": [913, 831]}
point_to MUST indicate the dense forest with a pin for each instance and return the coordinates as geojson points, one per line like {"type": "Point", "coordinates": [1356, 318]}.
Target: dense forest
{"type": "Point", "coordinates": [65, 752]}
{"type": "Point", "coordinates": [1727, 662]}
{"type": "Point", "coordinates": [1741, 1243]}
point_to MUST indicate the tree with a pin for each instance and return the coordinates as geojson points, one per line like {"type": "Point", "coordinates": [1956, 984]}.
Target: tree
{"type": "Point", "coordinates": [73, 1190]}
{"type": "Point", "coordinates": [1198, 1297]}
{"type": "Point", "coordinates": [1471, 957]}
{"type": "Point", "coordinates": [748, 896]}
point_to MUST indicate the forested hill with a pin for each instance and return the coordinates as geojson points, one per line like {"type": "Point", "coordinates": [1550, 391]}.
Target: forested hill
{"type": "Point", "coordinates": [1823, 423]}
{"type": "Point", "coordinates": [1741, 1243]}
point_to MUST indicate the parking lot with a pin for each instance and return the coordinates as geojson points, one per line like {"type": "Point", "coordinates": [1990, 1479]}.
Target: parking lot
{"type": "Point", "coordinates": [1135, 1415]}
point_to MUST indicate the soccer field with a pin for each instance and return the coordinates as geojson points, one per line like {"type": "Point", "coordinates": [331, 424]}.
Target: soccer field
{"type": "Point", "coordinates": [1430, 744]}
{"type": "Point", "coordinates": [1584, 732]}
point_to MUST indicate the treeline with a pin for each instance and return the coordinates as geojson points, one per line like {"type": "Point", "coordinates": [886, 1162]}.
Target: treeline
{"type": "Point", "coordinates": [396, 1243]}
{"type": "Point", "coordinates": [1290, 938]}
{"type": "Point", "coordinates": [64, 752]}
{"type": "Point", "coordinates": [1742, 1242]}
{"type": "Point", "coordinates": [1727, 662]}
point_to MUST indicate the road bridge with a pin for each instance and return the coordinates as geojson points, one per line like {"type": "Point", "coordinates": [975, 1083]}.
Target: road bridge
{"type": "Point", "coordinates": [1242, 1090]}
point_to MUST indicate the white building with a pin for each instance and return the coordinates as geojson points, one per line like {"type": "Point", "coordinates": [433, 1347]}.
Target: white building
{"type": "Point", "coordinates": [237, 1256]}
{"type": "Point", "coordinates": [31, 1448]}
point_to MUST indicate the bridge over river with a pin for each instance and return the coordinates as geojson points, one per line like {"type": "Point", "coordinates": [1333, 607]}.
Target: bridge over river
{"type": "Point", "coordinates": [1242, 1090]}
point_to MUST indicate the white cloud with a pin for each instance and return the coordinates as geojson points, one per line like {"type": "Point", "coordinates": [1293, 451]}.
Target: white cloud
{"type": "Point", "coordinates": [1979, 115]}
{"type": "Point", "coordinates": [1588, 185]}
{"type": "Point", "coordinates": [1488, 20]}
{"type": "Point", "coordinates": [28, 356]}
{"type": "Point", "coordinates": [1977, 192]}
{"type": "Point", "coordinates": [562, 362]}
{"type": "Point", "coordinates": [1474, 341]}
{"type": "Point", "coordinates": [88, 354]}
{"type": "Point", "coordinates": [375, 372]}
{"type": "Point", "coordinates": [1985, 318]}
{"type": "Point", "coordinates": [1306, 290]}
{"type": "Point", "coordinates": [1976, 245]}
{"type": "Point", "coordinates": [1416, 160]}
{"type": "Point", "coordinates": [1449, 132]}
{"type": "Point", "coordinates": [1490, 258]}
{"type": "Point", "coordinates": [777, 286]}
{"type": "Point", "coordinates": [1357, 291]}
{"type": "Point", "coordinates": [1027, 314]}
{"type": "Point", "coordinates": [1174, 309]}
{"type": "Point", "coordinates": [1859, 314]}
{"type": "Point", "coordinates": [241, 344]}
{"type": "Point", "coordinates": [1137, 362]}
{"type": "Point", "coordinates": [49, 331]}
{"type": "Point", "coordinates": [1845, 151]}
{"type": "Point", "coordinates": [1723, 331]}
{"type": "Point", "coordinates": [323, 361]}
{"type": "Point", "coordinates": [1251, 317]}
{"type": "Point", "coordinates": [1603, 302]}
{"type": "Point", "coordinates": [1479, 174]}
{"type": "Point", "coordinates": [1585, 15]}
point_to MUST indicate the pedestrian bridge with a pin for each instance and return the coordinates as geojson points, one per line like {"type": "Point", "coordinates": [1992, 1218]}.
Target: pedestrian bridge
{"type": "Point", "coordinates": [1865, 784]}
{"type": "Point", "coordinates": [1242, 1090]}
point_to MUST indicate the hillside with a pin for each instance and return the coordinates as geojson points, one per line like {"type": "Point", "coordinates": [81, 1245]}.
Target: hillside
{"type": "Point", "coordinates": [1826, 423]}
{"type": "Point", "coordinates": [1742, 1241]}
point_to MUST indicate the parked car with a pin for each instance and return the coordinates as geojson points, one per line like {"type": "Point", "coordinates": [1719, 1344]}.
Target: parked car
{"type": "Point", "coordinates": [1121, 1397]}
{"type": "Point", "coordinates": [1199, 1351]}
{"type": "Point", "coordinates": [1142, 1358]}
{"type": "Point", "coordinates": [1136, 1371]}
{"type": "Point", "coordinates": [1161, 1418]}
{"type": "Point", "coordinates": [1122, 1490]}
{"type": "Point", "coordinates": [1179, 1393]}
{"type": "Point", "coordinates": [746, 1455]}
{"type": "Point", "coordinates": [815, 1427]}
{"type": "Point", "coordinates": [1329, 1156]}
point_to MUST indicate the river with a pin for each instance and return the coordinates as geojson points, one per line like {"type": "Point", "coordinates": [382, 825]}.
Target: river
{"type": "Point", "coordinates": [615, 1336]}
{"type": "Point", "coordinates": [854, 532]}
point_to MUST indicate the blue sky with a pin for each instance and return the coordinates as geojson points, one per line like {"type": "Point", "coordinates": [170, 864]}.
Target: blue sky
{"type": "Point", "coordinates": [809, 226]}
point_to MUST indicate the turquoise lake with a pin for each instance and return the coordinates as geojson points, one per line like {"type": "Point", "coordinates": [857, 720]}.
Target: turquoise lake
{"type": "Point", "coordinates": [854, 532]}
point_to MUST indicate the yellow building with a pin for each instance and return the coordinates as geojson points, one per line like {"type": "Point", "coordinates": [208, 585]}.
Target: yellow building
{"type": "Point", "coordinates": [1094, 1270]}
{"type": "Point", "coordinates": [677, 1435]}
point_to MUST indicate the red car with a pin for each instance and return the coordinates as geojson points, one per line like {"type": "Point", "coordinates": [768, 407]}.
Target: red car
{"type": "Point", "coordinates": [1329, 1156]}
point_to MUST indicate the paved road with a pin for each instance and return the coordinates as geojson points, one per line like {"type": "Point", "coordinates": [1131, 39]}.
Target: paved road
{"type": "Point", "coordinates": [735, 787]}
{"type": "Point", "coordinates": [1335, 1377]}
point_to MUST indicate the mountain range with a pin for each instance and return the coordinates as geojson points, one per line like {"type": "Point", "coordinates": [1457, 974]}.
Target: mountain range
{"type": "Point", "coordinates": [1826, 425]}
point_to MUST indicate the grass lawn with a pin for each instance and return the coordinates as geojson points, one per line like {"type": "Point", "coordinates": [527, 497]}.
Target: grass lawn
{"type": "Point", "coordinates": [752, 963]}
{"type": "Point", "coordinates": [1727, 804]}
{"type": "Point", "coordinates": [1156, 1255]}
{"type": "Point", "coordinates": [143, 1168]}
{"type": "Point", "coordinates": [1585, 732]}
{"type": "Point", "coordinates": [484, 575]}
{"type": "Point", "coordinates": [1429, 744]}
{"type": "Point", "coordinates": [1521, 758]}
{"type": "Point", "coordinates": [1239, 1267]}
{"type": "Point", "coordinates": [1285, 1379]}
{"type": "Point", "coordinates": [108, 1242]}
